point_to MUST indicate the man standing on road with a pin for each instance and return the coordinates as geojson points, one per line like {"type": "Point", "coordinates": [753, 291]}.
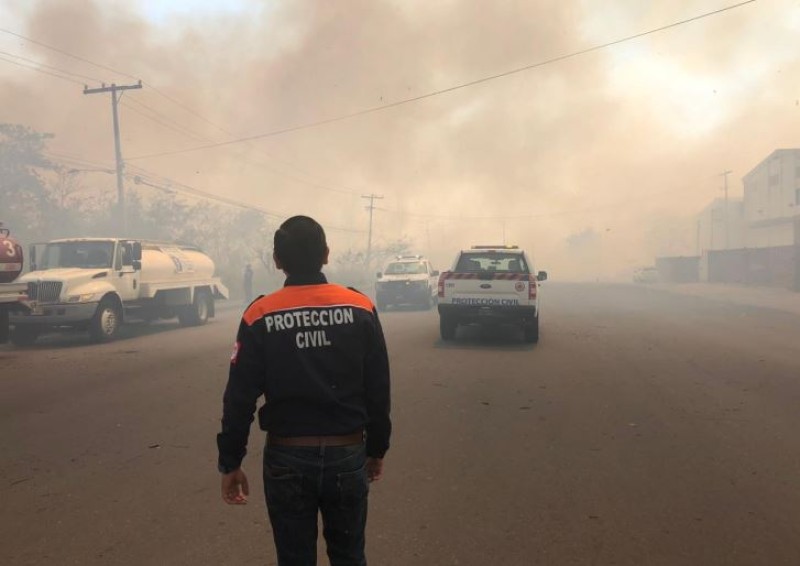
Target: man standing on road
{"type": "Point", "coordinates": [316, 352]}
{"type": "Point", "coordinates": [247, 284]}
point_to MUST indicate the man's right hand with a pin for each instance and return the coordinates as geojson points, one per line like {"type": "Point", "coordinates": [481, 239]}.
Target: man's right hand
{"type": "Point", "coordinates": [374, 469]}
{"type": "Point", "coordinates": [235, 488]}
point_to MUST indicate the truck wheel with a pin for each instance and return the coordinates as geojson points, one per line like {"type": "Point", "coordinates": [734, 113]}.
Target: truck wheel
{"type": "Point", "coordinates": [24, 335]}
{"type": "Point", "coordinates": [531, 330]}
{"type": "Point", "coordinates": [447, 327]}
{"type": "Point", "coordinates": [197, 313]}
{"type": "Point", "coordinates": [105, 324]}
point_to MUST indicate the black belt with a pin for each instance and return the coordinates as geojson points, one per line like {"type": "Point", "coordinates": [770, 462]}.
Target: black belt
{"type": "Point", "coordinates": [323, 440]}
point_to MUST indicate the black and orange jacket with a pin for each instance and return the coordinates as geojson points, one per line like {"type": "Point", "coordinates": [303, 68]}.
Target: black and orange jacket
{"type": "Point", "coordinates": [316, 352]}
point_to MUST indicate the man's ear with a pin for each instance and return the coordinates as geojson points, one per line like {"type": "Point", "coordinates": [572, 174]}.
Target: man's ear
{"type": "Point", "coordinates": [277, 261]}
{"type": "Point", "coordinates": [325, 257]}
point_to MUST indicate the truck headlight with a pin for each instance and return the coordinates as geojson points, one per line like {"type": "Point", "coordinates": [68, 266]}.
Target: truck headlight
{"type": "Point", "coordinates": [85, 298]}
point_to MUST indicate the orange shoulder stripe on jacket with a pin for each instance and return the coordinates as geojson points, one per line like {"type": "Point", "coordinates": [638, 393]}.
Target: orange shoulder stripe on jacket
{"type": "Point", "coordinates": [310, 296]}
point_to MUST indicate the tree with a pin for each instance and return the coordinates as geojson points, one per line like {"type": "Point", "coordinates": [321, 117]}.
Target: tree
{"type": "Point", "coordinates": [25, 195]}
{"type": "Point", "coordinates": [349, 267]}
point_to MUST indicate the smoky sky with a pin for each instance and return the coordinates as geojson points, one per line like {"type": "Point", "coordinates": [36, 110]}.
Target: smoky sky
{"type": "Point", "coordinates": [624, 144]}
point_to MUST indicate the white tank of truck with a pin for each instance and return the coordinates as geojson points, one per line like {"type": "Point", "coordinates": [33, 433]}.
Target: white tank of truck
{"type": "Point", "coordinates": [163, 262]}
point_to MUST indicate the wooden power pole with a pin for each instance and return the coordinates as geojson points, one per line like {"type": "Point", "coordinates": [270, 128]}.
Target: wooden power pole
{"type": "Point", "coordinates": [114, 89]}
{"type": "Point", "coordinates": [371, 207]}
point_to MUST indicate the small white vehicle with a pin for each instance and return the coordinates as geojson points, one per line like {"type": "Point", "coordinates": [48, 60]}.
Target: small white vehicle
{"type": "Point", "coordinates": [645, 275]}
{"type": "Point", "coordinates": [490, 285]}
{"type": "Point", "coordinates": [407, 280]}
{"type": "Point", "coordinates": [96, 284]}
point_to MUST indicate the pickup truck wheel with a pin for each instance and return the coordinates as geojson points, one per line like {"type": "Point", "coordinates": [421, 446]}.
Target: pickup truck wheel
{"type": "Point", "coordinates": [447, 327]}
{"type": "Point", "coordinates": [197, 313]}
{"type": "Point", "coordinates": [531, 330]}
{"type": "Point", "coordinates": [24, 335]}
{"type": "Point", "coordinates": [105, 324]}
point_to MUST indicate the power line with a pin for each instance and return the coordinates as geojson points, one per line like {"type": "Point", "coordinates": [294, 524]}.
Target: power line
{"type": "Point", "coordinates": [362, 112]}
{"type": "Point", "coordinates": [422, 216]}
{"type": "Point", "coordinates": [461, 86]}
{"type": "Point", "coordinates": [187, 108]}
{"type": "Point", "coordinates": [162, 120]}
{"type": "Point", "coordinates": [182, 187]}
{"type": "Point", "coordinates": [45, 66]}
{"type": "Point", "coordinates": [167, 184]}
{"type": "Point", "coordinates": [43, 71]}
{"type": "Point", "coordinates": [70, 55]}
{"type": "Point", "coordinates": [178, 103]}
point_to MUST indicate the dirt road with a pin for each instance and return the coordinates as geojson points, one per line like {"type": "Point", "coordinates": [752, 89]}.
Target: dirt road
{"type": "Point", "coordinates": [644, 428]}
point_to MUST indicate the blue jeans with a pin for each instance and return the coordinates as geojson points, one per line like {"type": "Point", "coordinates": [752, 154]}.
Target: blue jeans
{"type": "Point", "coordinates": [301, 482]}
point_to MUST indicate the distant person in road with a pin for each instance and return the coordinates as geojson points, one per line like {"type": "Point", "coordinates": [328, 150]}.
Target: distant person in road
{"type": "Point", "coordinates": [247, 284]}
{"type": "Point", "coordinates": [316, 353]}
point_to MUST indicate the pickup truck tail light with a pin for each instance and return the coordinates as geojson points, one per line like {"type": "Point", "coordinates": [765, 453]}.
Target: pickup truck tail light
{"type": "Point", "coordinates": [442, 277]}
{"type": "Point", "coordinates": [532, 283]}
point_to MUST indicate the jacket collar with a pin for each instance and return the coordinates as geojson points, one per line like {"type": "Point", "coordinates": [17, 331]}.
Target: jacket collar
{"type": "Point", "coordinates": [305, 279]}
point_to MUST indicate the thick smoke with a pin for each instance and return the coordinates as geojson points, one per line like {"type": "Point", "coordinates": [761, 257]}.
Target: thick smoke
{"type": "Point", "coordinates": [624, 143]}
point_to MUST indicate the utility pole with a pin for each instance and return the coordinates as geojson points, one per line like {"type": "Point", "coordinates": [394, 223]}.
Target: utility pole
{"type": "Point", "coordinates": [724, 175]}
{"type": "Point", "coordinates": [371, 197]}
{"type": "Point", "coordinates": [114, 89]}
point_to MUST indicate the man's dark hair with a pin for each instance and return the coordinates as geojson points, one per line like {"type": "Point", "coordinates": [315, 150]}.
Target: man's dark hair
{"type": "Point", "coordinates": [300, 245]}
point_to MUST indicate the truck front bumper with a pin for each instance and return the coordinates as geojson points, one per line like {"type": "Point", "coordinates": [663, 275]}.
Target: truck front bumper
{"type": "Point", "coordinates": [402, 294]}
{"type": "Point", "coordinates": [469, 314]}
{"type": "Point", "coordinates": [55, 314]}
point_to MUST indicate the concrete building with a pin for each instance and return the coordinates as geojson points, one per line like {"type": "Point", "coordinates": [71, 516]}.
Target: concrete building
{"type": "Point", "coordinates": [756, 240]}
{"type": "Point", "coordinates": [720, 226]}
{"type": "Point", "coordinates": [772, 200]}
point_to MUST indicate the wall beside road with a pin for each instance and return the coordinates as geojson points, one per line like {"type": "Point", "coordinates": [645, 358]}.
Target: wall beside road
{"type": "Point", "coordinates": [771, 267]}
{"type": "Point", "coordinates": [777, 266]}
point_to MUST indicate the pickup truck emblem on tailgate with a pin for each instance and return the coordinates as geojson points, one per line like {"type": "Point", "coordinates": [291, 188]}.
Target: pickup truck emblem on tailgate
{"type": "Point", "coordinates": [486, 286]}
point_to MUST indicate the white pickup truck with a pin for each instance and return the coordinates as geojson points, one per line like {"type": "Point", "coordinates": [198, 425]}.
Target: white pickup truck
{"type": "Point", "coordinates": [490, 285]}
{"type": "Point", "coordinates": [98, 283]}
{"type": "Point", "coordinates": [406, 280]}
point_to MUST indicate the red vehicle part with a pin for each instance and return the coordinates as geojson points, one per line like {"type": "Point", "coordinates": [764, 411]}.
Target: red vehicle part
{"type": "Point", "coordinates": [11, 257]}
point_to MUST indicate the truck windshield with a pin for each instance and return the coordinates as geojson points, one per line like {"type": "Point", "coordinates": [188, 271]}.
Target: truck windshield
{"type": "Point", "coordinates": [412, 267]}
{"type": "Point", "coordinates": [77, 254]}
{"type": "Point", "coordinates": [491, 261]}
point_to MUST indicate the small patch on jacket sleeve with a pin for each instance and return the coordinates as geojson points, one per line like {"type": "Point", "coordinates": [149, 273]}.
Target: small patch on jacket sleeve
{"type": "Point", "coordinates": [235, 353]}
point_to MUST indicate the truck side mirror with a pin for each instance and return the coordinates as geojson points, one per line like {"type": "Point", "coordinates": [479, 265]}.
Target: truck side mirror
{"type": "Point", "coordinates": [541, 276]}
{"type": "Point", "coordinates": [136, 249]}
{"type": "Point", "coordinates": [378, 275]}
{"type": "Point", "coordinates": [137, 264]}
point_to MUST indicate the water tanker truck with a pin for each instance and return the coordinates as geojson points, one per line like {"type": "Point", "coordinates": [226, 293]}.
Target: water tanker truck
{"type": "Point", "coordinates": [13, 295]}
{"type": "Point", "coordinates": [96, 284]}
